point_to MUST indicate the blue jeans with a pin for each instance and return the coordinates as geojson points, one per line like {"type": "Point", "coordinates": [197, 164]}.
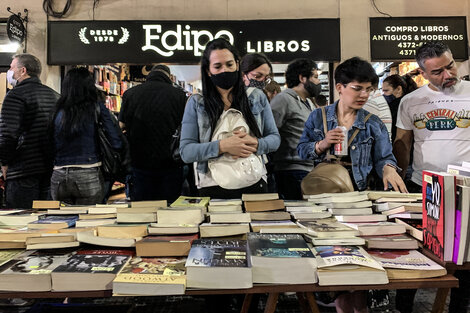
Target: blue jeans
{"type": "Point", "coordinates": [20, 192]}
{"type": "Point", "coordinates": [162, 184]}
{"type": "Point", "coordinates": [74, 185]}
{"type": "Point", "coordinates": [288, 184]}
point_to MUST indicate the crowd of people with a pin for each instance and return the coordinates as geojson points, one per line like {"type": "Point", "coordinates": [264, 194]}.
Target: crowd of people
{"type": "Point", "coordinates": [242, 124]}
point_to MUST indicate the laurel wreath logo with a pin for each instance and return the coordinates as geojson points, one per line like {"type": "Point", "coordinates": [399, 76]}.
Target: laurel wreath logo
{"type": "Point", "coordinates": [82, 36]}
{"type": "Point", "coordinates": [125, 36]}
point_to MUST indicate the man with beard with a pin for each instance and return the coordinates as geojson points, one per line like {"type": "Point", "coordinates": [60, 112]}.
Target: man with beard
{"type": "Point", "coordinates": [291, 109]}
{"type": "Point", "coordinates": [436, 117]}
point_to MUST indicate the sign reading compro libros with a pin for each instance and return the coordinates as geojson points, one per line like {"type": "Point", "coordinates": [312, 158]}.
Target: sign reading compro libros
{"type": "Point", "coordinates": [142, 42]}
{"type": "Point", "coordinates": [397, 38]}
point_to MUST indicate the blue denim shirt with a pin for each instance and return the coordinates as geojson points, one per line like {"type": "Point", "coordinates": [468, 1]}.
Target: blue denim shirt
{"type": "Point", "coordinates": [196, 144]}
{"type": "Point", "coordinates": [83, 148]}
{"type": "Point", "coordinates": [370, 149]}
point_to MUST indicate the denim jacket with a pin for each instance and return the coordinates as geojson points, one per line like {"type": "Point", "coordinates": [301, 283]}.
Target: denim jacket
{"type": "Point", "coordinates": [370, 149]}
{"type": "Point", "coordinates": [83, 148]}
{"type": "Point", "coordinates": [196, 144]}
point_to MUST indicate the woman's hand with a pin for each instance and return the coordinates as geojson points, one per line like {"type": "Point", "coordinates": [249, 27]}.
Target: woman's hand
{"type": "Point", "coordinates": [391, 176]}
{"type": "Point", "coordinates": [332, 137]}
{"type": "Point", "coordinates": [240, 145]}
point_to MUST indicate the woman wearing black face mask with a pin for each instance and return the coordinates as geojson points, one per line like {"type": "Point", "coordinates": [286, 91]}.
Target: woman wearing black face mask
{"type": "Point", "coordinates": [394, 88]}
{"type": "Point", "coordinates": [256, 70]}
{"type": "Point", "coordinates": [223, 89]}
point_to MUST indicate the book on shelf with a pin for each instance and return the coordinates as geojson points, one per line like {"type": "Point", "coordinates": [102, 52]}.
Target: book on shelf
{"type": "Point", "coordinates": [401, 241]}
{"type": "Point", "coordinates": [180, 216]}
{"type": "Point", "coordinates": [229, 218]}
{"type": "Point", "coordinates": [400, 207]}
{"type": "Point", "coordinates": [52, 245]}
{"type": "Point", "coordinates": [407, 215]}
{"type": "Point", "coordinates": [96, 222]}
{"type": "Point", "coordinates": [224, 208]}
{"type": "Point", "coordinates": [300, 203]}
{"type": "Point", "coordinates": [153, 246]}
{"type": "Point", "coordinates": [407, 264]}
{"type": "Point", "coordinates": [439, 213]}
{"type": "Point", "coordinates": [185, 201]}
{"type": "Point", "coordinates": [347, 241]}
{"type": "Point", "coordinates": [462, 217]}
{"type": "Point", "coordinates": [311, 208]}
{"type": "Point", "coordinates": [30, 272]}
{"type": "Point", "coordinates": [309, 216]}
{"type": "Point", "coordinates": [172, 229]}
{"type": "Point", "coordinates": [375, 195]}
{"type": "Point", "coordinates": [50, 239]}
{"type": "Point", "coordinates": [45, 204]}
{"type": "Point", "coordinates": [12, 245]}
{"type": "Point", "coordinates": [122, 230]}
{"type": "Point", "coordinates": [264, 205]}
{"type": "Point", "coordinates": [20, 219]}
{"type": "Point", "coordinates": [348, 205]}
{"type": "Point", "coordinates": [136, 217]}
{"type": "Point", "coordinates": [152, 277]}
{"type": "Point", "coordinates": [413, 227]}
{"type": "Point", "coordinates": [91, 238]}
{"type": "Point", "coordinates": [337, 195]}
{"type": "Point", "coordinates": [328, 228]}
{"type": "Point", "coordinates": [458, 170]}
{"type": "Point", "coordinates": [397, 199]}
{"type": "Point", "coordinates": [85, 272]}
{"type": "Point", "coordinates": [361, 218]}
{"type": "Point", "coordinates": [54, 222]}
{"type": "Point", "coordinates": [73, 210]}
{"type": "Point", "coordinates": [349, 211]}
{"type": "Point", "coordinates": [224, 202]}
{"type": "Point", "coordinates": [377, 228]}
{"type": "Point", "coordinates": [256, 226]}
{"type": "Point", "coordinates": [102, 210]}
{"type": "Point", "coordinates": [208, 230]}
{"type": "Point", "coordinates": [137, 210]}
{"type": "Point", "coordinates": [149, 204]}
{"type": "Point", "coordinates": [96, 216]}
{"type": "Point", "coordinates": [347, 265]}
{"type": "Point", "coordinates": [260, 196]}
{"type": "Point", "coordinates": [210, 260]}
{"type": "Point", "coordinates": [270, 216]}
{"type": "Point", "coordinates": [116, 205]}
{"type": "Point", "coordinates": [281, 259]}
{"type": "Point", "coordinates": [339, 198]}
{"type": "Point", "coordinates": [282, 230]}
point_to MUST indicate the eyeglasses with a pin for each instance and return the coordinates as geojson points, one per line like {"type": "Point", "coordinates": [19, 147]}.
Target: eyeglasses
{"type": "Point", "coordinates": [360, 89]}
{"type": "Point", "coordinates": [261, 77]}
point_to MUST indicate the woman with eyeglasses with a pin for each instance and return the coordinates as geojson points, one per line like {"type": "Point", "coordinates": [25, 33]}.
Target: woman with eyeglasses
{"type": "Point", "coordinates": [256, 70]}
{"type": "Point", "coordinates": [370, 150]}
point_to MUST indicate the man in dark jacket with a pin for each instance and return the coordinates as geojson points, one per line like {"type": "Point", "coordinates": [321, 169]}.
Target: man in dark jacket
{"type": "Point", "coordinates": [150, 114]}
{"type": "Point", "coordinates": [24, 121]}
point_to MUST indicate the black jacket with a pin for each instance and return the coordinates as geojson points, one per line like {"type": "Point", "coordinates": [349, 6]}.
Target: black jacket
{"type": "Point", "coordinates": [151, 112]}
{"type": "Point", "coordinates": [24, 123]}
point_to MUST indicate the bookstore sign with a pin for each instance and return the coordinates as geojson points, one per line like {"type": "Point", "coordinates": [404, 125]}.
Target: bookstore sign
{"type": "Point", "coordinates": [397, 38]}
{"type": "Point", "coordinates": [141, 42]}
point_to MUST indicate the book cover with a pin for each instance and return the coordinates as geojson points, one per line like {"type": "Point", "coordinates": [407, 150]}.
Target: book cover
{"type": "Point", "coordinates": [404, 259]}
{"type": "Point", "coordinates": [439, 213]}
{"type": "Point", "coordinates": [34, 264]}
{"type": "Point", "coordinates": [55, 219]}
{"type": "Point", "coordinates": [185, 201]}
{"type": "Point", "coordinates": [278, 245]}
{"type": "Point", "coordinates": [400, 241]}
{"type": "Point", "coordinates": [259, 196]}
{"type": "Point", "coordinates": [92, 263]}
{"type": "Point", "coordinates": [325, 228]}
{"type": "Point", "coordinates": [218, 253]}
{"type": "Point", "coordinates": [7, 255]}
{"type": "Point", "coordinates": [344, 255]}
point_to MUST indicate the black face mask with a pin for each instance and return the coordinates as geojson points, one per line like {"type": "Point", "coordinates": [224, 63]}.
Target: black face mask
{"type": "Point", "coordinates": [312, 89]}
{"type": "Point", "coordinates": [225, 80]}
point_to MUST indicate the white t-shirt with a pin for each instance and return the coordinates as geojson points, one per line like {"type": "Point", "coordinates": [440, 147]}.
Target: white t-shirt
{"type": "Point", "coordinates": [378, 105]}
{"type": "Point", "coordinates": [440, 124]}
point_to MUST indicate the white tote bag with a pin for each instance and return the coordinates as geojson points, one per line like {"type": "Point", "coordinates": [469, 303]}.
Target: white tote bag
{"type": "Point", "coordinates": [227, 172]}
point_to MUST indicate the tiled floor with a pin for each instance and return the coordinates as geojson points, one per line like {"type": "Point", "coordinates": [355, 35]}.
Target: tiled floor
{"type": "Point", "coordinates": [187, 304]}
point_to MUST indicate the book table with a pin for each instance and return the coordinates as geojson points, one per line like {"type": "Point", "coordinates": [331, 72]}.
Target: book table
{"type": "Point", "coordinates": [304, 291]}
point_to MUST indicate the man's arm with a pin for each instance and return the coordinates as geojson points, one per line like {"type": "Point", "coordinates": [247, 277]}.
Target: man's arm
{"type": "Point", "coordinates": [402, 148]}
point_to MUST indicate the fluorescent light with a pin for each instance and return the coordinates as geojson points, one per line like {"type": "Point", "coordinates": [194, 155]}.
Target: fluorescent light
{"type": "Point", "coordinates": [10, 47]}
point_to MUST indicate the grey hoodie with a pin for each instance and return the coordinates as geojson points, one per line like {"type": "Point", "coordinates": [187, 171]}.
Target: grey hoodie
{"type": "Point", "coordinates": [290, 114]}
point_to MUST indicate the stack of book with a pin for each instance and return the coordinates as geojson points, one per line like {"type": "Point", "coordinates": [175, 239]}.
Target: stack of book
{"type": "Point", "coordinates": [114, 235]}
{"type": "Point", "coordinates": [163, 246]}
{"type": "Point", "coordinates": [328, 232]}
{"type": "Point", "coordinates": [302, 210]}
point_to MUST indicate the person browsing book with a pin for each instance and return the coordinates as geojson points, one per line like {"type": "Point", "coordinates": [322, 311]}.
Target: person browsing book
{"type": "Point", "coordinates": [223, 89]}
{"type": "Point", "coordinates": [371, 148]}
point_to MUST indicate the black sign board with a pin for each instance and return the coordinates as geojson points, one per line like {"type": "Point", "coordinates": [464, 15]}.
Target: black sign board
{"type": "Point", "coordinates": [144, 42]}
{"type": "Point", "coordinates": [15, 29]}
{"type": "Point", "coordinates": [397, 38]}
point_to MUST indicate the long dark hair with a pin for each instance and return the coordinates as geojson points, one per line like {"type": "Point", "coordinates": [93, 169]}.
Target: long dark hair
{"type": "Point", "coordinates": [213, 103]}
{"type": "Point", "coordinates": [77, 101]}
{"type": "Point", "coordinates": [254, 60]}
{"type": "Point", "coordinates": [406, 82]}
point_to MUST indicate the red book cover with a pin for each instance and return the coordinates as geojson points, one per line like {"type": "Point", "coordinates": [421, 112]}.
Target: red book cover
{"type": "Point", "coordinates": [108, 252]}
{"type": "Point", "coordinates": [438, 213]}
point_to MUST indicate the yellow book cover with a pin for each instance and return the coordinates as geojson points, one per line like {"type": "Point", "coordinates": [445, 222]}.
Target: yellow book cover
{"type": "Point", "coordinates": [185, 201]}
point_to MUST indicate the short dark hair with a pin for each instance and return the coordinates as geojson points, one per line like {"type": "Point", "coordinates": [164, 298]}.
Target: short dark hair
{"type": "Point", "coordinates": [161, 68]}
{"type": "Point", "coordinates": [273, 86]}
{"type": "Point", "coordinates": [431, 49]}
{"type": "Point", "coordinates": [355, 69]}
{"type": "Point", "coordinates": [298, 67]}
{"type": "Point", "coordinates": [30, 63]}
{"type": "Point", "coordinates": [253, 60]}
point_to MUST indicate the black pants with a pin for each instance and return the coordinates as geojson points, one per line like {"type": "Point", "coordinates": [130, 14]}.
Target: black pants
{"type": "Point", "coordinates": [217, 192]}
{"type": "Point", "coordinates": [288, 183]}
{"type": "Point", "coordinates": [20, 192]}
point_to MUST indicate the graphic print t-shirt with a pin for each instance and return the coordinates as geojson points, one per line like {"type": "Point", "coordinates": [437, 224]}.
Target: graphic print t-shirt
{"type": "Point", "coordinates": [440, 124]}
